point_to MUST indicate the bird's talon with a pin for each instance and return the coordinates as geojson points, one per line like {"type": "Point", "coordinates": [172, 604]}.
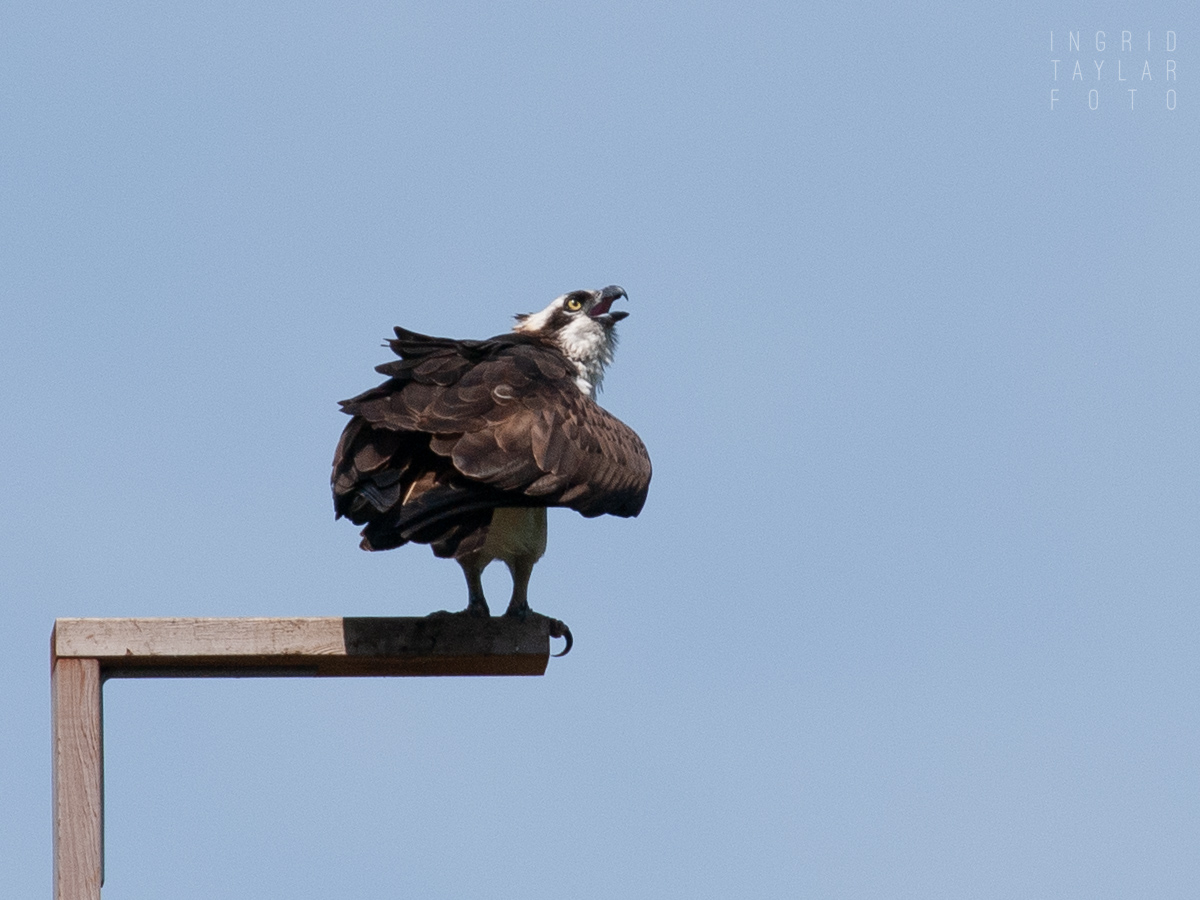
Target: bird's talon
{"type": "Point", "coordinates": [560, 629]}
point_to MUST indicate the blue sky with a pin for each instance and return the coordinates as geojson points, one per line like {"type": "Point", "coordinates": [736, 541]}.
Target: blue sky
{"type": "Point", "coordinates": [911, 609]}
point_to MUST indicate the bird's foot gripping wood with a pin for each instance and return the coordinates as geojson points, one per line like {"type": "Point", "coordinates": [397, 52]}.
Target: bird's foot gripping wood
{"type": "Point", "coordinates": [556, 627]}
{"type": "Point", "coordinates": [519, 609]}
{"type": "Point", "coordinates": [475, 610]}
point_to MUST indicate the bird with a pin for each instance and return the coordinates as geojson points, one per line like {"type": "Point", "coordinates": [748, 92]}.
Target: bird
{"type": "Point", "coordinates": [468, 442]}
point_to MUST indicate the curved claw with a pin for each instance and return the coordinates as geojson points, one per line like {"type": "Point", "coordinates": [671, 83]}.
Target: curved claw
{"type": "Point", "coordinates": [559, 629]}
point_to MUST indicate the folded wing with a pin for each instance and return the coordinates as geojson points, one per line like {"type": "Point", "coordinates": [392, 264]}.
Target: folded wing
{"type": "Point", "coordinates": [464, 427]}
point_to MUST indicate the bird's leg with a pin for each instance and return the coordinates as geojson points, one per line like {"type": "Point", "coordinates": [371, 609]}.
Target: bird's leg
{"type": "Point", "coordinates": [473, 567]}
{"type": "Point", "coordinates": [521, 568]}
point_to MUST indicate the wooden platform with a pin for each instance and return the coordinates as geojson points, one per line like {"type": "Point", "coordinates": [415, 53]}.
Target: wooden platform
{"type": "Point", "coordinates": [432, 645]}
{"type": "Point", "coordinates": [85, 652]}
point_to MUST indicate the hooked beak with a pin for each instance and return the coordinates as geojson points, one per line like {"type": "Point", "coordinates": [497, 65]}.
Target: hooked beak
{"type": "Point", "coordinates": [608, 296]}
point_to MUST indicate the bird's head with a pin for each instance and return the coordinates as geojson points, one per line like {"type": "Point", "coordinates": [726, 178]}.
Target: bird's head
{"type": "Point", "coordinates": [580, 324]}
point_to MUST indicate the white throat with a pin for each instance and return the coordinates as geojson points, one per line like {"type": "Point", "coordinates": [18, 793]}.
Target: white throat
{"type": "Point", "coordinates": [590, 346]}
{"type": "Point", "coordinates": [587, 343]}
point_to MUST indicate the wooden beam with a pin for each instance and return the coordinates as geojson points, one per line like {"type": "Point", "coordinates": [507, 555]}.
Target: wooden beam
{"type": "Point", "coordinates": [75, 737]}
{"type": "Point", "coordinates": [83, 652]}
{"type": "Point", "coordinates": [432, 645]}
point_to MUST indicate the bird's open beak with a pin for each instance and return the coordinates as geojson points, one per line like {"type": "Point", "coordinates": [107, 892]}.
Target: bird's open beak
{"type": "Point", "coordinates": [602, 308]}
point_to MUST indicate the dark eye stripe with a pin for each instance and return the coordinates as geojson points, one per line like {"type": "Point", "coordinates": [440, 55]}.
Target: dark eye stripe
{"type": "Point", "coordinates": [560, 319]}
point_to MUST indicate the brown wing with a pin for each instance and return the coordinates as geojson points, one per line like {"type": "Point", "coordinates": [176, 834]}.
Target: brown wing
{"type": "Point", "coordinates": [465, 427]}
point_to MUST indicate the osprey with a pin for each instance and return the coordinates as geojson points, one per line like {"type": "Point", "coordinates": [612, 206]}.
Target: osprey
{"type": "Point", "coordinates": [468, 442]}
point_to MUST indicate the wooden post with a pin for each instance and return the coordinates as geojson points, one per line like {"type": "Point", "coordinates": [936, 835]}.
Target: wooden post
{"type": "Point", "coordinates": [75, 737]}
{"type": "Point", "coordinates": [85, 652]}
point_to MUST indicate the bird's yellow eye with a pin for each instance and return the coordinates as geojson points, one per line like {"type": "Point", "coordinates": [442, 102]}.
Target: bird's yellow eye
{"type": "Point", "coordinates": [573, 304]}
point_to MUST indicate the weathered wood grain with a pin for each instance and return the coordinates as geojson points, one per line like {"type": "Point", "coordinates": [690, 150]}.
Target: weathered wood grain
{"type": "Point", "coordinates": [334, 646]}
{"type": "Point", "coordinates": [77, 778]}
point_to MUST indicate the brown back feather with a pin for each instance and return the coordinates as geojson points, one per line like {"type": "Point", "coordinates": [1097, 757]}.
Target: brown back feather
{"type": "Point", "coordinates": [464, 427]}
